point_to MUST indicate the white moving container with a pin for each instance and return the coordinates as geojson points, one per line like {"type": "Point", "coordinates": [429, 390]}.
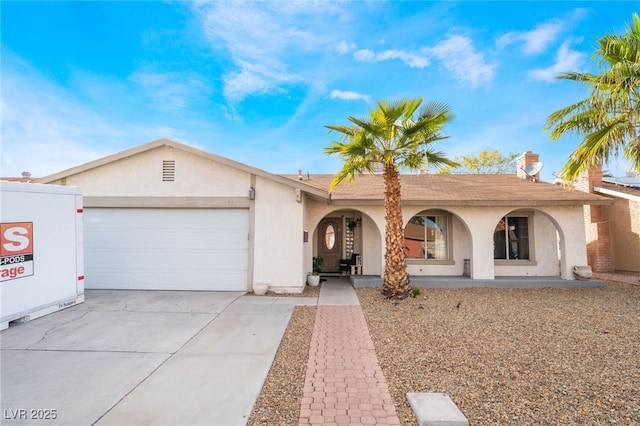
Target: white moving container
{"type": "Point", "coordinates": [41, 250]}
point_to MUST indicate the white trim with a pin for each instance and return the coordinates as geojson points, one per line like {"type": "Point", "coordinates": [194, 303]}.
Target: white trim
{"type": "Point", "coordinates": [164, 142]}
{"type": "Point", "coordinates": [616, 194]}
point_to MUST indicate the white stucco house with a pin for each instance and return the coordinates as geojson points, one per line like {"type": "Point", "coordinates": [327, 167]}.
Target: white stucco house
{"type": "Point", "coordinates": [165, 215]}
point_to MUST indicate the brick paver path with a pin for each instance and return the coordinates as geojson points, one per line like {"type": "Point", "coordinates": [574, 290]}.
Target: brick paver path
{"type": "Point", "coordinates": [344, 383]}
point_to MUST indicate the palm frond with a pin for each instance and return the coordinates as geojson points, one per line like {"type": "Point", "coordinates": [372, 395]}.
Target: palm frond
{"type": "Point", "coordinates": [391, 135]}
{"type": "Point", "coordinates": [597, 146]}
{"type": "Point", "coordinates": [435, 108]}
{"type": "Point", "coordinates": [580, 77]}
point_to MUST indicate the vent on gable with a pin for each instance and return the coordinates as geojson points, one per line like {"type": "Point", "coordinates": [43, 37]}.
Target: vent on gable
{"type": "Point", "coordinates": [168, 170]}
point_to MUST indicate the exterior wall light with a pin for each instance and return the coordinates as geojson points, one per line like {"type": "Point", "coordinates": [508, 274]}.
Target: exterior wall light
{"type": "Point", "coordinates": [252, 193]}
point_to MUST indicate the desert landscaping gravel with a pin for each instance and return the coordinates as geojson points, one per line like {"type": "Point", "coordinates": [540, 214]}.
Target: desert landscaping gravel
{"type": "Point", "coordinates": [514, 357]}
{"type": "Point", "coordinates": [505, 357]}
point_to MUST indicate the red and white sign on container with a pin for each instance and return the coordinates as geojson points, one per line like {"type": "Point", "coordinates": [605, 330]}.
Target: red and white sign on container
{"type": "Point", "coordinates": [16, 250]}
{"type": "Point", "coordinates": [41, 250]}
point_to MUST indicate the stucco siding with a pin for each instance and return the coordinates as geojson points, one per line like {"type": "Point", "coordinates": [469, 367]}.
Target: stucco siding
{"type": "Point", "coordinates": [573, 246]}
{"type": "Point", "coordinates": [624, 219]}
{"type": "Point", "coordinates": [372, 255]}
{"type": "Point", "coordinates": [141, 175]}
{"type": "Point", "coordinates": [279, 246]}
{"type": "Point", "coordinates": [370, 234]}
{"type": "Point", "coordinates": [480, 224]}
{"type": "Point", "coordinates": [472, 232]}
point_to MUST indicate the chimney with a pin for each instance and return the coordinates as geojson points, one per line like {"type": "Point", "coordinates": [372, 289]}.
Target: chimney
{"type": "Point", "coordinates": [300, 174]}
{"type": "Point", "coordinates": [589, 179]}
{"type": "Point", "coordinates": [523, 161]}
{"type": "Point", "coordinates": [596, 222]}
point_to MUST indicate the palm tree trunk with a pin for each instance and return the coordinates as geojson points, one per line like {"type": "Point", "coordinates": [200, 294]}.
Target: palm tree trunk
{"type": "Point", "coordinates": [396, 280]}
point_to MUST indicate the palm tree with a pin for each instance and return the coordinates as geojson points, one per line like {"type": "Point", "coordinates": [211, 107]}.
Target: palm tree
{"type": "Point", "coordinates": [393, 138]}
{"type": "Point", "coordinates": [609, 119]}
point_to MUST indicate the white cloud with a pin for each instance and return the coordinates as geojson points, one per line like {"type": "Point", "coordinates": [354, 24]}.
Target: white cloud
{"type": "Point", "coordinates": [261, 40]}
{"type": "Point", "coordinates": [410, 59]}
{"type": "Point", "coordinates": [239, 85]}
{"type": "Point", "coordinates": [414, 61]}
{"type": "Point", "coordinates": [170, 91]}
{"type": "Point", "coordinates": [466, 65]}
{"type": "Point", "coordinates": [48, 127]}
{"type": "Point", "coordinates": [535, 41]}
{"type": "Point", "coordinates": [566, 60]}
{"type": "Point", "coordinates": [364, 55]}
{"type": "Point", "coordinates": [343, 47]}
{"type": "Point", "coordinates": [44, 129]}
{"type": "Point", "coordinates": [349, 96]}
{"type": "Point", "coordinates": [543, 35]}
{"type": "Point", "coordinates": [456, 54]}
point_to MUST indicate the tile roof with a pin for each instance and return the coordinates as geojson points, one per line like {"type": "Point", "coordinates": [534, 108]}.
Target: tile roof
{"type": "Point", "coordinates": [455, 189]}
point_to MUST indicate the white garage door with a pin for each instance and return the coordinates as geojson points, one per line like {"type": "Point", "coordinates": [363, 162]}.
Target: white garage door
{"type": "Point", "coordinates": [166, 249]}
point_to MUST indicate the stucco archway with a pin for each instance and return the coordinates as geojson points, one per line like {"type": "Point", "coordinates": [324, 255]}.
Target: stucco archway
{"type": "Point", "coordinates": [529, 242]}
{"type": "Point", "coordinates": [350, 231]}
{"type": "Point", "coordinates": [455, 242]}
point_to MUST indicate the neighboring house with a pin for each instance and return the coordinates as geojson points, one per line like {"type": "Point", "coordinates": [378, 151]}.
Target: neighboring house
{"type": "Point", "coordinates": [169, 216]}
{"type": "Point", "coordinates": [612, 231]}
{"type": "Point", "coordinates": [26, 178]}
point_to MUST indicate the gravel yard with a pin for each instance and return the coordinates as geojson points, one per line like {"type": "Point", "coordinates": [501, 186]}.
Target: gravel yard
{"type": "Point", "coordinates": [514, 357]}
{"type": "Point", "coordinates": [508, 357]}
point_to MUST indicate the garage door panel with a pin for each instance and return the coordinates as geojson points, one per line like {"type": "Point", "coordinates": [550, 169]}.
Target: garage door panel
{"type": "Point", "coordinates": [191, 259]}
{"type": "Point", "coordinates": [169, 249]}
{"type": "Point", "coordinates": [191, 280]}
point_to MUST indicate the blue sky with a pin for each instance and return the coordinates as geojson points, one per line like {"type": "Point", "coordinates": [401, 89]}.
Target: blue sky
{"type": "Point", "coordinates": [256, 82]}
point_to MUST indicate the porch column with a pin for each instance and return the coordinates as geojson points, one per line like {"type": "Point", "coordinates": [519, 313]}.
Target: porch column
{"type": "Point", "coordinates": [482, 266]}
{"type": "Point", "coordinates": [573, 249]}
{"type": "Point", "coordinates": [481, 222]}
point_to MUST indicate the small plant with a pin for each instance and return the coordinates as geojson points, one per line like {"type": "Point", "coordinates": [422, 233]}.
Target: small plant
{"type": "Point", "coordinates": [317, 265]}
{"type": "Point", "coordinates": [415, 292]}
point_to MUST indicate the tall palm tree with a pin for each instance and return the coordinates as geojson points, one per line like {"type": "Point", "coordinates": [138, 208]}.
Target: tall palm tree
{"type": "Point", "coordinates": [609, 119]}
{"type": "Point", "coordinates": [393, 137]}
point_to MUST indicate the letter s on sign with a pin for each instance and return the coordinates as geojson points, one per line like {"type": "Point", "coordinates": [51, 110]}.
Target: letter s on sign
{"type": "Point", "coordinates": [16, 238]}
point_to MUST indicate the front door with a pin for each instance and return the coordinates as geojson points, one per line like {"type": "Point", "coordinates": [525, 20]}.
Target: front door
{"type": "Point", "coordinates": [330, 244]}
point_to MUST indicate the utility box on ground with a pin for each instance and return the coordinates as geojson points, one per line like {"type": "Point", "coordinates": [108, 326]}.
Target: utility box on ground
{"type": "Point", "coordinates": [41, 250]}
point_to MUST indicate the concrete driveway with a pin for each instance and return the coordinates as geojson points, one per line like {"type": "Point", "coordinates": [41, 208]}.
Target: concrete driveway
{"type": "Point", "coordinates": [143, 357]}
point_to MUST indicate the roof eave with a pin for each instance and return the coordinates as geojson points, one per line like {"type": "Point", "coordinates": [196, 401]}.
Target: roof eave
{"type": "Point", "coordinates": [617, 194]}
{"type": "Point", "coordinates": [164, 142]}
{"type": "Point", "coordinates": [473, 203]}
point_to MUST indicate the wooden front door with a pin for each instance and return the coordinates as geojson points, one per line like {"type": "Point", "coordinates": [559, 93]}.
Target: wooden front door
{"type": "Point", "coordinates": [330, 244]}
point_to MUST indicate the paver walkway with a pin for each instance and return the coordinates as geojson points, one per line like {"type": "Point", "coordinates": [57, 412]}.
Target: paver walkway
{"type": "Point", "coordinates": [344, 384]}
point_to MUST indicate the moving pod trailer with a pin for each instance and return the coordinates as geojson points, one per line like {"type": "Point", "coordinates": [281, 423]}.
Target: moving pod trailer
{"type": "Point", "coordinates": [41, 250]}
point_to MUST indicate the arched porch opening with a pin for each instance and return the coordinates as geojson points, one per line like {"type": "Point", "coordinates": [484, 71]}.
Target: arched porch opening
{"type": "Point", "coordinates": [340, 235]}
{"type": "Point", "coordinates": [528, 242]}
{"type": "Point", "coordinates": [438, 242]}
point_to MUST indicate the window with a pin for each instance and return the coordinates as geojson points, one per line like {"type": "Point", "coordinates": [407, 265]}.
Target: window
{"type": "Point", "coordinates": [330, 237]}
{"type": "Point", "coordinates": [427, 237]}
{"type": "Point", "coordinates": [511, 239]}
